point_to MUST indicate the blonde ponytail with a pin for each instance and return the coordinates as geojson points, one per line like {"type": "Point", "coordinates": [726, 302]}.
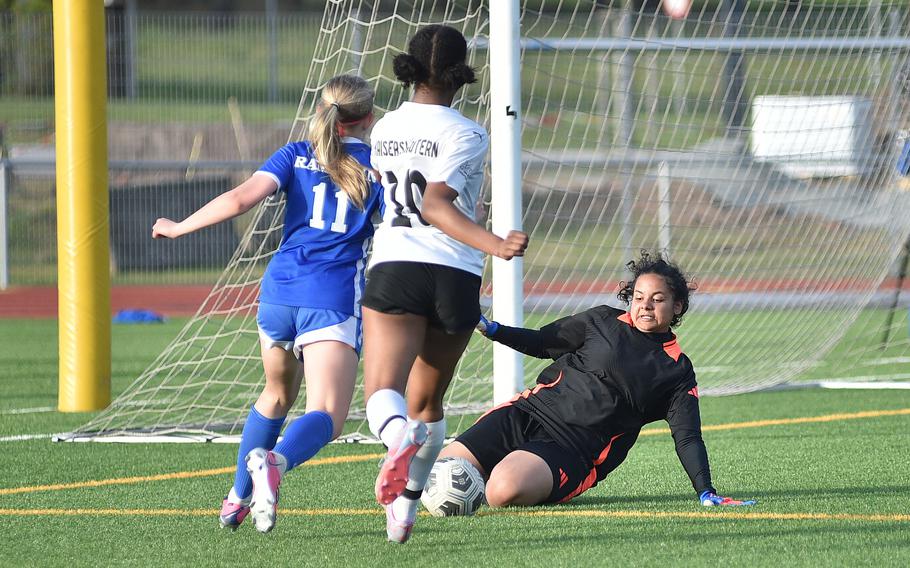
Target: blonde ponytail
{"type": "Point", "coordinates": [345, 99]}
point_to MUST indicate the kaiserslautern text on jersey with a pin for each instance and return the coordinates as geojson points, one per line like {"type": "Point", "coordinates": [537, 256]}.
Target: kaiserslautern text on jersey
{"type": "Point", "coordinates": [418, 147]}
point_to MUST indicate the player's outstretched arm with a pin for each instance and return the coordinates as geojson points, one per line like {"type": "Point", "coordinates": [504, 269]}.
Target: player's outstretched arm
{"type": "Point", "coordinates": [226, 206]}
{"type": "Point", "coordinates": [711, 499]}
{"type": "Point", "coordinates": [549, 342]}
{"type": "Point", "coordinates": [440, 211]}
{"type": "Point", "coordinates": [528, 341]}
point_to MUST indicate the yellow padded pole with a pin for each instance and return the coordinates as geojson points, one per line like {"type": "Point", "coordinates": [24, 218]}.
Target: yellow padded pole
{"type": "Point", "coordinates": [83, 243]}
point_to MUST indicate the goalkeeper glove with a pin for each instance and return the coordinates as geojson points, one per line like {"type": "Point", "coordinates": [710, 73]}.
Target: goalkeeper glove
{"type": "Point", "coordinates": [486, 327]}
{"type": "Point", "coordinates": [709, 499]}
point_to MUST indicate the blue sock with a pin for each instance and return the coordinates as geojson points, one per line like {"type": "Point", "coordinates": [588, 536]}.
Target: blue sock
{"type": "Point", "coordinates": [305, 436]}
{"type": "Point", "coordinates": [258, 432]}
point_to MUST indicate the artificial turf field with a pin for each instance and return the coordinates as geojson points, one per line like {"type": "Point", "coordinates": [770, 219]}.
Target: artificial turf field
{"type": "Point", "coordinates": [830, 471]}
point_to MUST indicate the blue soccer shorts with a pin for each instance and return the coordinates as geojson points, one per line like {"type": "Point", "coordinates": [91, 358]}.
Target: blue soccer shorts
{"type": "Point", "coordinates": [292, 328]}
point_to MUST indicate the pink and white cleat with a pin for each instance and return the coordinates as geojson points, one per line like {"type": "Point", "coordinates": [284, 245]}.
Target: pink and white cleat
{"type": "Point", "coordinates": [232, 514]}
{"type": "Point", "coordinates": [265, 469]}
{"type": "Point", "coordinates": [397, 530]}
{"type": "Point", "coordinates": [393, 475]}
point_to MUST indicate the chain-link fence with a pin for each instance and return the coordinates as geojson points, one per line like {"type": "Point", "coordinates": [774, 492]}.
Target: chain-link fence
{"type": "Point", "coordinates": [198, 100]}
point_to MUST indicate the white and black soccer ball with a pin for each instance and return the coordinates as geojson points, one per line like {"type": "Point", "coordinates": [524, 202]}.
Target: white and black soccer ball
{"type": "Point", "coordinates": [455, 487]}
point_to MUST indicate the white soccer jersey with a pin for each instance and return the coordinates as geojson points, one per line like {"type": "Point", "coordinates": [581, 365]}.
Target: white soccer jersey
{"type": "Point", "coordinates": [412, 146]}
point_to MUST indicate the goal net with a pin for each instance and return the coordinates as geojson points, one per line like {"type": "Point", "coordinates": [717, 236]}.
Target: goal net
{"type": "Point", "coordinates": [757, 143]}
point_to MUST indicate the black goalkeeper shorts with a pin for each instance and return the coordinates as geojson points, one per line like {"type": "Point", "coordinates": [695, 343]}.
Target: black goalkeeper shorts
{"type": "Point", "coordinates": [506, 429]}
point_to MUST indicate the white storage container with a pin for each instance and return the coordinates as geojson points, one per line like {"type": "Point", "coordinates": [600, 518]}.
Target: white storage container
{"type": "Point", "coordinates": [813, 136]}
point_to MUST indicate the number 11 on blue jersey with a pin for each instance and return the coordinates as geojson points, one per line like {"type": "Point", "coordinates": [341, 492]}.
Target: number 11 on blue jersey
{"type": "Point", "coordinates": [341, 209]}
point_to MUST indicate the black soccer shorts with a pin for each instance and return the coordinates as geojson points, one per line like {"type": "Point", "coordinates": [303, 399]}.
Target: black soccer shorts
{"type": "Point", "coordinates": [506, 429]}
{"type": "Point", "coordinates": [448, 297]}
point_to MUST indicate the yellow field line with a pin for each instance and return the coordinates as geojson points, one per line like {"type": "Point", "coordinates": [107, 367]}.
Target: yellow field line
{"type": "Point", "coordinates": [717, 515]}
{"type": "Point", "coordinates": [789, 421]}
{"type": "Point", "coordinates": [169, 476]}
{"type": "Point", "coordinates": [727, 515]}
{"type": "Point", "coordinates": [367, 457]}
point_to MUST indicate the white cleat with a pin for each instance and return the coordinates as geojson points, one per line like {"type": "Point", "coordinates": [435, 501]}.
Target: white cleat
{"type": "Point", "coordinates": [263, 466]}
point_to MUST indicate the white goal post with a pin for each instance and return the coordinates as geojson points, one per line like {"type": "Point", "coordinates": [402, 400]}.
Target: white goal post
{"type": "Point", "coordinates": [505, 165]}
{"type": "Point", "coordinates": [619, 129]}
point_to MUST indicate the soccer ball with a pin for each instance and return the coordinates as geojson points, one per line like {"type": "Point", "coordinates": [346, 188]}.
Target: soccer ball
{"type": "Point", "coordinates": [455, 487]}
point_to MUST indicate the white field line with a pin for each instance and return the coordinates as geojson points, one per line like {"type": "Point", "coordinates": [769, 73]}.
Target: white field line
{"type": "Point", "coordinates": [870, 378]}
{"type": "Point", "coordinates": [23, 437]}
{"type": "Point", "coordinates": [864, 385]}
{"type": "Point", "coordinates": [35, 410]}
{"type": "Point", "coordinates": [20, 411]}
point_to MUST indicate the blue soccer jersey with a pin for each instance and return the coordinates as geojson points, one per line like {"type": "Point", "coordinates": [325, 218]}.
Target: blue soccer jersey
{"type": "Point", "coordinates": [320, 263]}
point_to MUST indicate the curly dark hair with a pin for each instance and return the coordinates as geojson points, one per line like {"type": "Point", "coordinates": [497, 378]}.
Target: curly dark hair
{"type": "Point", "coordinates": [436, 57]}
{"type": "Point", "coordinates": [657, 264]}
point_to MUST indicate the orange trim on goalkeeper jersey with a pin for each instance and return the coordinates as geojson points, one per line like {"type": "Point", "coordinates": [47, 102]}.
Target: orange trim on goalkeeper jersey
{"type": "Point", "coordinates": [523, 394]}
{"type": "Point", "coordinates": [671, 347]}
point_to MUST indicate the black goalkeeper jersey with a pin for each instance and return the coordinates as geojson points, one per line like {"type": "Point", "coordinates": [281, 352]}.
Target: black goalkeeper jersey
{"type": "Point", "coordinates": [607, 381]}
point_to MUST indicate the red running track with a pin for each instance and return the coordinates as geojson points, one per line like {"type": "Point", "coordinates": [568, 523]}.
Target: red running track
{"type": "Point", "coordinates": [41, 301]}
{"type": "Point", "coordinates": [177, 301]}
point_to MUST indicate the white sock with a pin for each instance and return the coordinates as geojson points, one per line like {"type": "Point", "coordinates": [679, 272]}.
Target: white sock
{"type": "Point", "coordinates": [419, 471]}
{"type": "Point", "coordinates": [233, 498]}
{"type": "Point", "coordinates": [423, 460]}
{"type": "Point", "coordinates": [387, 414]}
{"type": "Point", "coordinates": [404, 509]}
